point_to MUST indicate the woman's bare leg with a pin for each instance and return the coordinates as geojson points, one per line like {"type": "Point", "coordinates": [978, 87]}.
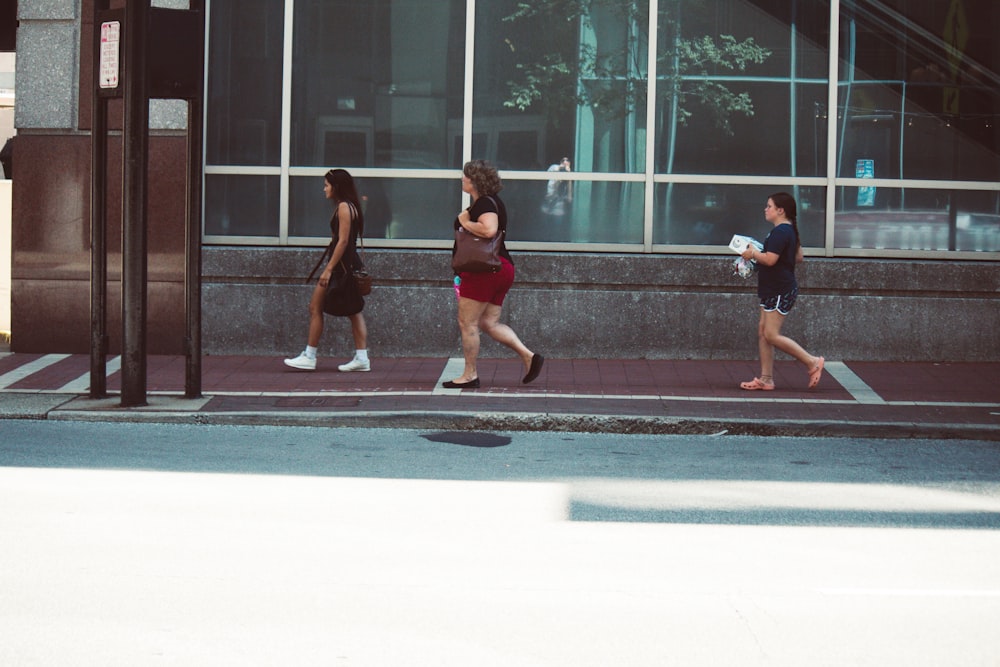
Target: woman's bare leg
{"type": "Point", "coordinates": [316, 316]}
{"type": "Point", "coordinates": [501, 333]}
{"type": "Point", "coordinates": [360, 331]}
{"type": "Point", "coordinates": [469, 314]}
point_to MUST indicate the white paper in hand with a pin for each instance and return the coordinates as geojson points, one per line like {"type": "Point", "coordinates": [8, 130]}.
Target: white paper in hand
{"type": "Point", "coordinates": [740, 243]}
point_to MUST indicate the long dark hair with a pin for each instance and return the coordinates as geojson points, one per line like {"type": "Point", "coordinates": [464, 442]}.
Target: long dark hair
{"type": "Point", "coordinates": [787, 202]}
{"type": "Point", "coordinates": [344, 190]}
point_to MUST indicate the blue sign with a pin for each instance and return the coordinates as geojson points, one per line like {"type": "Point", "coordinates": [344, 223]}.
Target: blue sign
{"type": "Point", "coordinates": [866, 194]}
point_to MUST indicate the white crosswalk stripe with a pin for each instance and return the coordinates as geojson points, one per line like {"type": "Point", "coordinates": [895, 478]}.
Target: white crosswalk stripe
{"type": "Point", "coordinates": [452, 370]}
{"type": "Point", "coordinates": [81, 385]}
{"type": "Point", "coordinates": [854, 385]}
{"type": "Point", "coordinates": [13, 377]}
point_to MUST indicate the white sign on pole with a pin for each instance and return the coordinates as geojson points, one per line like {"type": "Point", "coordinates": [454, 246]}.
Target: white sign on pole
{"type": "Point", "coordinates": [109, 65]}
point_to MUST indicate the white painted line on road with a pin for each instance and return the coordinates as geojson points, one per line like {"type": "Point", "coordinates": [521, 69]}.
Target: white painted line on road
{"type": "Point", "coordinates": [21, 372]}
{"type": "Point", "coordinates": [81, 385]}
{"type": "Point", "coordinates": [452, 369]}
{"type": "Point", "coordinates": [606, 397]}
{"type": "Point", "coordinates": [849, 380]}
{"type": "Point", "coordinates": [545, 394]}
{"type": "Point", "coordinates": [911, 592]}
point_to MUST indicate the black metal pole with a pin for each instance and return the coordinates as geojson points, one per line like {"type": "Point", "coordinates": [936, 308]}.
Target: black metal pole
{"type": "Point", "coordinates": [134, 173]}
{"type": "Point", "coordinates": [192, 253]}
{"type": "Point", "coordinates": [98, 225]}
{"type": "Point", "coordinates": [192, 247]}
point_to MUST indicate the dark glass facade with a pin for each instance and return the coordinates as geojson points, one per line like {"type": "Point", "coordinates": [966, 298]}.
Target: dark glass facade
{"type": "Point", "coordinates": [880, 117]}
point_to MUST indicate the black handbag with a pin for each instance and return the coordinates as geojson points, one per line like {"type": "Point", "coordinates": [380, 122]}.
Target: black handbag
{"type": "Point", "coordinates": [342, 295]}
{"type": "Point", "coordinates": [475, 254]}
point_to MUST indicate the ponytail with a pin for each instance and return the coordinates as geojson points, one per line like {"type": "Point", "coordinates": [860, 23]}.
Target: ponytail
{"type": "Point", "coordinates": [785, 201]}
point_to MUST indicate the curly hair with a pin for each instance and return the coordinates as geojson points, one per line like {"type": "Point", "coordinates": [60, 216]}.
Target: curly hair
{"type": "Point", "coordinates": [484, 177]}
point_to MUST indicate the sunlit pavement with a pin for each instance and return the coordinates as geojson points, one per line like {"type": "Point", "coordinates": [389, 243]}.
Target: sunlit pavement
{"type": "Point", "coordinates": [153, 568]}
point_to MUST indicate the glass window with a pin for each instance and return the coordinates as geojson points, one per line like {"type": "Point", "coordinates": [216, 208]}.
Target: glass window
{"type": "Point", "coordinates": [556, 79]}
{"type": "Point", "coordinates": [376, 83]}
{"type": "Point", "coordinates": [742, 90]}
{"type": "Point", "coordinates": [757, 146]}
{"type": "Point", "coordinates": [919, 91]}
{"type": "Point", "coordinates": [566, 211]}
{"type": "Point", "coordinates": [538, 211]}
{"type": "Point", "coordinates": [241, 205]}
{"type": "Point", "coordinates": [244, 83]}
{"type": "Point", "coordinates": [709, 214]}
{"type": "Point", "coordinates": [740, 87]}
{"type": "Point", "coordinates": [917, 219]}
{"type": "Point", "coordinates": [408, 208]}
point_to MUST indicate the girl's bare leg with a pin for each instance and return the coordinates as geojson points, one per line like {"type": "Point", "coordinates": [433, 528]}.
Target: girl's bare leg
{"type": "Point", "coordinates": [771, 334]}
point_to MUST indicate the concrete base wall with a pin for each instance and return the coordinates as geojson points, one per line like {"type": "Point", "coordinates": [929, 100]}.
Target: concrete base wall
{"type": "Point", "coordinates": [614, 306]}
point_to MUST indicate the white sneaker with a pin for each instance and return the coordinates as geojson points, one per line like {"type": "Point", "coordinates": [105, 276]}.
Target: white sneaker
{"type": "Point", "coordinates": [355, 365]}
{"type": "Point", "coordinates": [302, 362]}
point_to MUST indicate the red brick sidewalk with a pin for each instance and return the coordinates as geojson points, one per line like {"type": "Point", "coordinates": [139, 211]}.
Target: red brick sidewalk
{"type": "Point", "coordinates": [908, 397]}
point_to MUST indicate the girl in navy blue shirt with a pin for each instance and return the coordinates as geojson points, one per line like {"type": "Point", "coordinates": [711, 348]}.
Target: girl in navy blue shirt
{"type": "Point", "coordinates": [777, 290]}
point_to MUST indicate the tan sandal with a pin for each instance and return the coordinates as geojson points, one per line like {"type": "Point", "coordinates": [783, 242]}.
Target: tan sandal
{"type": "Point", "coordinates": [756, 384]}
{"type": "Point", "coordinates": [816, 373]}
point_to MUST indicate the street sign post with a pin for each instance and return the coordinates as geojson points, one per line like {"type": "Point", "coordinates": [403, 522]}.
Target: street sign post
{"type": "Point", "coordinates": [143, 52]}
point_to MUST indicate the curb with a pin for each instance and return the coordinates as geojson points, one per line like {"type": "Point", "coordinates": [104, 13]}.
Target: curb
{"type": "Point", "coordinates": [520, 421]}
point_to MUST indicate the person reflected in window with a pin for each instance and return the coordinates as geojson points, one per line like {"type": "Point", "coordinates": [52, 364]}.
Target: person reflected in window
{"type": "Point", "coordinates": [481, 295]}
{"type": "Point", "coordinates": [777, 290]}
{"type": "Point", "coordinates": [346, 225]}
{"type": "Point", "coordinates": [558, 192]}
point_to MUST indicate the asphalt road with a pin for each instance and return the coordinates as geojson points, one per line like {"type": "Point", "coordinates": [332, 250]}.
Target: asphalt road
{"type": "Point", "coordinates": [136, 544]}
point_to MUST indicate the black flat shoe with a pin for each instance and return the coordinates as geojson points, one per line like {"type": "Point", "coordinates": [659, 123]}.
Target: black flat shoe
{"type": "Point", "coordinates": [536, 367]}
{"type": "Point", "coordinates": [471, 384]}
